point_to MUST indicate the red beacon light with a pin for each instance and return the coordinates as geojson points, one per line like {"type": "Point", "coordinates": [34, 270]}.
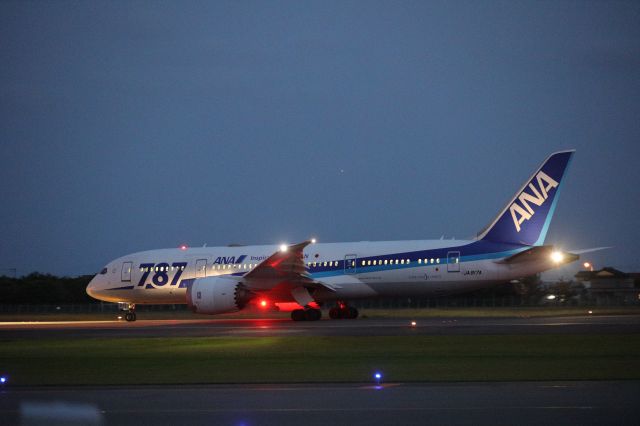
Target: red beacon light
{"type": "Point", "coordinates": [183, 247]}
{"type": "Point", "coordinates": [263, 303]}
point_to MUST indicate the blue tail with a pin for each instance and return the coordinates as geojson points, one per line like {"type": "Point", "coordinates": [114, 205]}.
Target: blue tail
{"type": "Point", "coordinates": [526, 218]}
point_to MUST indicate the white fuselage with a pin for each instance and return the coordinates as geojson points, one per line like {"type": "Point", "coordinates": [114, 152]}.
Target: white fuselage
{"type": "Point", "coordinates": [355, 270]}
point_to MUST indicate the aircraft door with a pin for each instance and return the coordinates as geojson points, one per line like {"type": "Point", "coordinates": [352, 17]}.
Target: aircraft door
{"type": "Point", "coordinates": [453, 261]}
{"type": "Point", "coordinates": [201, 268]}
{"type": "Point", "coordinates": [350, 262]}
{"type": "Point", "coordinates": [126, 271]}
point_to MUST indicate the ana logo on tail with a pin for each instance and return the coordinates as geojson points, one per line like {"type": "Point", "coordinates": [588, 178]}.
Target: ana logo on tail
{"type": "Point", "coordinates": [523, 211]}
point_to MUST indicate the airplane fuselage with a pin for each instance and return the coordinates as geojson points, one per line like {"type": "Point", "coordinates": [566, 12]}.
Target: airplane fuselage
{"type": "Point", "coordinates": [355, 270]}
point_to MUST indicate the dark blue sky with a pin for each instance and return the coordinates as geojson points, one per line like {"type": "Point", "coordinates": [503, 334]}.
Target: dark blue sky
{"type": "Point", "coordinates": [128, 126]}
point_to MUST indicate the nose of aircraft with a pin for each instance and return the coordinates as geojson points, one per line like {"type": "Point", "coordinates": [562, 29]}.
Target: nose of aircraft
{"type": "Point", "coordinates": [92, 287]}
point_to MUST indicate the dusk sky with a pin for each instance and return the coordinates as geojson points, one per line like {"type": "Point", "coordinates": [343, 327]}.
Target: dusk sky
{"type": "Point", "coordinates": [128, 126]}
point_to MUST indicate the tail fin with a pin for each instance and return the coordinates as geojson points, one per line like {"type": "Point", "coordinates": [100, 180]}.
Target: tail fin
{"type": "Point", "coordinates": [526, 218]}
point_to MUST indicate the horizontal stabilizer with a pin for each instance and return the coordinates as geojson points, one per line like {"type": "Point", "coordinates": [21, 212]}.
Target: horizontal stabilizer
{"type": "Point", "coordinates": [589, 250]}
{"type": "Point", "coordinates": [532, 254]}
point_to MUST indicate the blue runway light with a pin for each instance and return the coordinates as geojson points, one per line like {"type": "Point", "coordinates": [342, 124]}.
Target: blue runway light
{"type": "Point", "coordinates": [3, 380]}
{"type": "Point", "coordinates": [378, 377]}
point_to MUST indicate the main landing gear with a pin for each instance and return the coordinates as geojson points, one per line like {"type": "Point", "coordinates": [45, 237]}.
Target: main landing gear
{"type": "Point", "coordinates": [129, 309]}
{"type": "Point", "coordinates": [343, 311]}
{"type": "Point", "coordinates": [308, 314]}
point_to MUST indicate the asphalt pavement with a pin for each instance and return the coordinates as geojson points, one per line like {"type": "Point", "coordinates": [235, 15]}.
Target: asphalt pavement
{"type": "Point", "coordinates": [511, 403]}
{"type": "Point", "coordinates": [586, 324]}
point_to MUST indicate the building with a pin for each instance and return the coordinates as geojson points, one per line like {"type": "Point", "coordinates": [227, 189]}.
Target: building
{"type": "Point", "coordinates": [610, 286]}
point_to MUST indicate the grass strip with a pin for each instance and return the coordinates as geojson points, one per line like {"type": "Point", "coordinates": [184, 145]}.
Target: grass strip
{"type": "Point", "coordinates": [320, 359]}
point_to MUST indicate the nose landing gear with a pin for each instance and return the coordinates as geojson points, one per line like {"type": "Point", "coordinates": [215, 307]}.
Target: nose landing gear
{"type": "Point", "coordinates": [129, 309]}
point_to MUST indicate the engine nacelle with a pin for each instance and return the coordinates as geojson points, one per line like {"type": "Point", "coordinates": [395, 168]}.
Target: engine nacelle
{"type": "Point", "coordinates": [217, 295]}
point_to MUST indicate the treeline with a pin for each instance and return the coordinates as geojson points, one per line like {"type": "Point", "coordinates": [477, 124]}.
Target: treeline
{"type": "Point", "coordinates": [47, 289]}
{"type": "Point", "coordinates": [37, 288]}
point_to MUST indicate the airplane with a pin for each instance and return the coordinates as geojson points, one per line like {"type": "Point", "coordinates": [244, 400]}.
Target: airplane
{"type": "Point", "coordinates": [217, 280]}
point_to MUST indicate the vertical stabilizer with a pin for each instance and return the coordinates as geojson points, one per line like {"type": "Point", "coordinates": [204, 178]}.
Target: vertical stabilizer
{"type": "Point", "coordinates": [526, 218]}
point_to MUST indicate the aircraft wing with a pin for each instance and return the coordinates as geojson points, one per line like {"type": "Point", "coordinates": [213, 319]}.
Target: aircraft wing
{"type": "Point", "coordinates": [284, 269]}
{"type": "Point", "coordinates": [283, 265]}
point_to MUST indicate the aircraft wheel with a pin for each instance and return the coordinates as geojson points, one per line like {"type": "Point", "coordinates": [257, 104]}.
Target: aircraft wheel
{"type": "Point", "coordinates": [352, 313]}
{"type": "Point", "coordinates": [130, 316]}
{"type": "Point", "coordinates": [334, 313]}
{"type": "Point", "coordinates": [312, 314]}
{"type": "Point", "coordinates": [298, 315]}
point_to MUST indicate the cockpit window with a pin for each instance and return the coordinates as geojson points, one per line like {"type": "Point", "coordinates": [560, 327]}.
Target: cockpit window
{"type": "Point", "coordinates": [104, 271]}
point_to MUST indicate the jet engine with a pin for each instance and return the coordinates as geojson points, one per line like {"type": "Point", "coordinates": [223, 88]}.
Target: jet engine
{"type": "Point", "coordinates": [217, 295]}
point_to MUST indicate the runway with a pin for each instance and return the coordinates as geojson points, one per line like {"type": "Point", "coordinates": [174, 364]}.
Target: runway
{"type": "Point", "coordinates": [503, 403]}
{"type": "Point", "coordinates": [521, 403]}
{"type": "Point", "coordinates": [587, 324]}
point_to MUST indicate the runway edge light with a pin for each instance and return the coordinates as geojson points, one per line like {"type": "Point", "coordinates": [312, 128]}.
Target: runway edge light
{"type": "Point", "coordinates": [378, 377]}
